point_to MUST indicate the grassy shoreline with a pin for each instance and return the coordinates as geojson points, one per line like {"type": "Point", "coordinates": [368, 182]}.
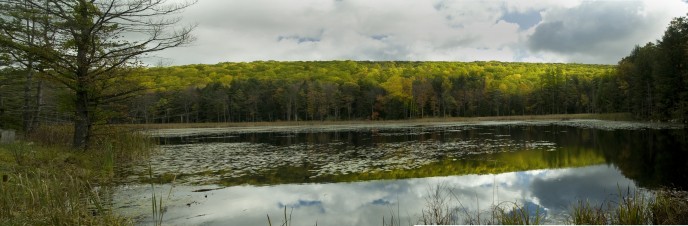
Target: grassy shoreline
{"type": "Point", "coordinates": [609, 116]}
{"type": "Point", "coordinates": [45, 182]}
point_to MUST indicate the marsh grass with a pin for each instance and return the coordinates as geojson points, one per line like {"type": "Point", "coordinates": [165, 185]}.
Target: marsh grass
{"type": "Point", "coordinates": [286, 220]}
{"type": "Point", "coordinates": [394, 218]}
{"type": "Point", "coordinates": [666, 206]}
{"type": "Point", "coordinates": [518, 214]}
{"type": "Point", "coordinates": [157, 207]}
{"type": "Point", "coordinates": [670, 207]}
{"type": "Point", "coordinates": [632, 208]}
{"type": "Point", "coordinates": [41, 198]}
{"type": "Point", "coordinates": [443, 207]}
{"type": "Point", "coordinates": [588, 214]}
{"type": "Point", "coordinates": [45, 182]}
{"type": "Point", "coordinates": [438, 206]}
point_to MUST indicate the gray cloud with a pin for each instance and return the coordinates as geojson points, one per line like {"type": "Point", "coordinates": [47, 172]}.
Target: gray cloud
{"type": "Point", "coordinates": [591, 183]}
{"type": "Point", "coordinates": [595, 32]}
{"type": "Point", "coordinates": [505, 30]}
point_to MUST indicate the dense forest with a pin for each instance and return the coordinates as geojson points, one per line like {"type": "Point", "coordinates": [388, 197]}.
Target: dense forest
{"type": "Point", "coordinates": [344, 90]}
{"type": "Point", "coordinates": [655, 77]}
{"type": "Point", "coordinates": [651, 83]}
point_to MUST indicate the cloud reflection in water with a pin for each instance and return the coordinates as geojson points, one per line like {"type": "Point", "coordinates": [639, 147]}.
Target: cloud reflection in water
{"type": "Point", "coordinates": [365, 203]}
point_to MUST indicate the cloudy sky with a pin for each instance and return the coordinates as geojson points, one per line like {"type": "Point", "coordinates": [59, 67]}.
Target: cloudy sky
{"type": "Point", "coordinates": [582, 31]}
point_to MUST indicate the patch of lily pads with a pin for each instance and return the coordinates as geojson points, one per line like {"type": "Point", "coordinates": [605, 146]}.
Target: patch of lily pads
{"type": "Point", "coordinates": [325, 153]}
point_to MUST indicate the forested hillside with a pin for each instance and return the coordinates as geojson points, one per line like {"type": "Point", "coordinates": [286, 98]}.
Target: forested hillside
{"type": "Point", "coordinates": [652, 83]}
{"type": "Point", "coordinates": [343, 90]}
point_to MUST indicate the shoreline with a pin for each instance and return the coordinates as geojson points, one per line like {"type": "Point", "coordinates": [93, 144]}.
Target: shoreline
{"type": "Point", "coordinates": [601, 122]}
{"type": "Point", "coordinates": [562, 117]}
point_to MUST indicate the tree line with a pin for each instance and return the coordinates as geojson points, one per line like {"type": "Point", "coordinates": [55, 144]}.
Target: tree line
{"type": "Point", "coordinates": [651, 82]}
{"type": "Point", "coordinates": [654, 77]}
{"type": "Point", "coordinates": [351, 90]}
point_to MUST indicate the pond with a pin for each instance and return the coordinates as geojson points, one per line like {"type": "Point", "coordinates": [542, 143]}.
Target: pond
{"type": "Point", "coordinates": [361, 173]}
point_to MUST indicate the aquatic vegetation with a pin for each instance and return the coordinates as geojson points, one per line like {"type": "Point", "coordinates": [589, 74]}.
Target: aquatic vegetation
{"type": "Point", "coordinates": [390, 153]}
{"type": "Point", "coordinates": [239, 163]}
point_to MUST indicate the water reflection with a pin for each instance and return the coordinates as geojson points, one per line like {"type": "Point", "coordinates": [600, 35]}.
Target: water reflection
{"type": "Point", "coordinates": [653, 157]}
{"type": "Point", "coordinates": [357, 176]}
{"type": "Point", "coordinates": [365, 203]}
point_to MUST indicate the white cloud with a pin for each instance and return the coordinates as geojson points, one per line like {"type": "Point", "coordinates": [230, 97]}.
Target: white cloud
{"type": "Point", "coordinates": [365, 203]}
{"type": "Point", "coordinates": [248, 30]}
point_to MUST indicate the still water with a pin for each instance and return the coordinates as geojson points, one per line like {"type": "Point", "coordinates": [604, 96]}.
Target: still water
{"type": "Point", "coordinates": [358, 175]}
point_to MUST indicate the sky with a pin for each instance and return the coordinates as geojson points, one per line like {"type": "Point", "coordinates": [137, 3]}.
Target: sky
{"type": "Point", "coordinates": [569, 31]}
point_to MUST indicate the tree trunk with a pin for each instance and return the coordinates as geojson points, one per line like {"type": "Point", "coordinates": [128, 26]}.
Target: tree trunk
{"type": "Point", "coordinates": [39, 105]}
{"type": "Point", "coordinates": [82, 121]}
{"type": "Point", "coordinates": [27, 108]}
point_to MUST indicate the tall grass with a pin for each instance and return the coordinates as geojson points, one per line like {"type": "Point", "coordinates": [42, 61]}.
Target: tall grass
{"type": "Point", "coordinates": [286, 221]}
{"type": "Point", "coordinates": [632, 208]}
{"type": "Point", "coordinates": [586, 213]}
{"type": "Point", "coordinates": [670, 207]}
{"type": "Point", "coordinates": [666, 206]}
{"type": "Point", "coordinates": [395, 216]}
{"type": "Point", "coordinates": [438, 207]}
{"type": "Point", "coordinates": [157, 207]}
{"type": "Point", "coordinates": [110, 146]}
{"type": "Point", "coordinates": [43, 198]}
{"type": "Point", "coordinates": [47, 183]}
{"type": "Point", "coordinates": [443, 207]}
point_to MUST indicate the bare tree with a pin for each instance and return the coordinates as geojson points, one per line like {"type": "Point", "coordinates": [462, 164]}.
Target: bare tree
{"type": "Point", "coordinates": [91, 46]}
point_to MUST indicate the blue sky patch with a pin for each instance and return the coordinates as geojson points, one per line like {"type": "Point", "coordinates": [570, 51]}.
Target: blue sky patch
{"type": "Point", "coordinates": [524, 20]}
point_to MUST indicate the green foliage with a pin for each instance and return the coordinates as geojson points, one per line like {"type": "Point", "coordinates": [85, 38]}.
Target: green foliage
{"type": "Point", "coordinates": [335, 90]}
{"type": "Point", "coordinates": [654, 76]}
{"type": "Point", "coordinates": [651, 83]}
{"type": "Point", "coordinates": [81, 47]}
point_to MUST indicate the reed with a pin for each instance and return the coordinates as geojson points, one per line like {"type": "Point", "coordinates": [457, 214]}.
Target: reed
{"type": "Point", "coordinates": [632, 208]}
{"type": "Point", "coordinates": [438, 207]}
{"type": "Point", "coordinates": [670, 207]}
{"type": "Point", "coordinates": [45, 182]}
{"type": "Point", "coordinates": [585, 213]}
{"type": "Point", "coordinates": [39, 197]}
{"type": "Point", "coordinates": [517, 214]}
{"type": "Point", "coordinates": [286, 221]}
{"type": "Point", "coordinates": [636, 207]}
{"type": "Point", "coordinates": [665, 206]}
